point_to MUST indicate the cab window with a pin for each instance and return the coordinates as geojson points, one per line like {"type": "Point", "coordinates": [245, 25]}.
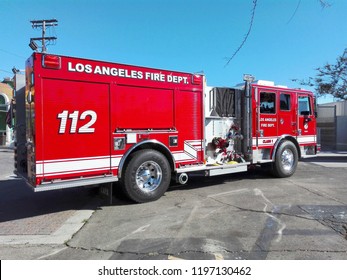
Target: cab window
{"type": "Point", "coordinates": [285, 102]}
{"type": "Point", "coordinates": [267, 102]}
{"type": "Point", "coordinates": [304, 106]}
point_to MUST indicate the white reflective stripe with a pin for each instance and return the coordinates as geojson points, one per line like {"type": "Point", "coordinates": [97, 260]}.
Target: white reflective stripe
{"type": "Point", "coordinates": [76, 165]}
{"type": "Point", "coordinates": [39, 168]}
{"type": "Point", "coordinates": [74, 171]}
{"type": "Point", "coordinates": [307, 139]}
{"type": "Point", "coordinates": [72, 165]}
{"type": "Point", "coordinates": [115, 160]}
{"type": "Point", "coordinates": [272, 140]}
{"type": "Point", "coordinates": [190, 150]}
{"type": "Point", "coordinates": [71, 159]}
{"type": "Point", "coordinates": [196, 144]}
{"type": "Point", "coordinates": [182, 156]}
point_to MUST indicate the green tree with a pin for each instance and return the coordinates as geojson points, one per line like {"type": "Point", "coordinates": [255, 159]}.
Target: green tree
{"type": "Point", "coordinates": [331, 79]}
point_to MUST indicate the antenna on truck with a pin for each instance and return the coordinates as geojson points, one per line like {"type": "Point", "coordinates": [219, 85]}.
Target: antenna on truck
{"type": "Point", "coordinates": [43, 24]}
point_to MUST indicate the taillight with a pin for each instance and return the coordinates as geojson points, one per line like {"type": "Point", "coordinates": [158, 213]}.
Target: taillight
{"type": "Point", "coordinates": [51, 61]}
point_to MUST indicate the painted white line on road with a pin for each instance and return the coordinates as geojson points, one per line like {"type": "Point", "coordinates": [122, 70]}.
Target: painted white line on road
{"type": "Point", "coordinates": [228, 193]}
{"type": "Point", "coordinates": [282, 225]}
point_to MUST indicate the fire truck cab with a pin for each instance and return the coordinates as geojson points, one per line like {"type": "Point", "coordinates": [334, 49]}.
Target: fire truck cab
{"type": "Point", "coordinates": [89, 122]}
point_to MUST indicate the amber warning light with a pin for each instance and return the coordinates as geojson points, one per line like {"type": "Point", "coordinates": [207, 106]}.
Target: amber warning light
{"type": "Point", "coordinates": [51, 61]}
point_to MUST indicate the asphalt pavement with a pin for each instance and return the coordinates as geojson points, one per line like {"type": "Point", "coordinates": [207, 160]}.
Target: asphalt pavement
{"type": "Point", "coordinates": [242, 216]}
{"type": "Point", "coordinates": [28, 218]}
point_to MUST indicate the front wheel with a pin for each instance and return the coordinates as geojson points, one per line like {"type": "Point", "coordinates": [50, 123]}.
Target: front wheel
{"type": "Point", "coordinates": [286, 160]}
{"type": "Point", "coordinates": [147, 176]}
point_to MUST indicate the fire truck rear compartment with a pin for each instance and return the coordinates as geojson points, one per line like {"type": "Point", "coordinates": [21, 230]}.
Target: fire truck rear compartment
{"type": "Point", "coordinates": [71, 129]}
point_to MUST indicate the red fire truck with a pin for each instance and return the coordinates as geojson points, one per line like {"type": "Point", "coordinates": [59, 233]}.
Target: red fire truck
{"type": "Point", "coordinates": [90, 122]}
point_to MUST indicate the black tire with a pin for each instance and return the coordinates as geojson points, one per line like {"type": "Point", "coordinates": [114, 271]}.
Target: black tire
{"type": "Point", "coordinates": [286, 160]}
{"type": "Point", "coordinates": [146, 176]}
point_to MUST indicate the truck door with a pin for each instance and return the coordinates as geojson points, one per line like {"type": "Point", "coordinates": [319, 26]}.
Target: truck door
{"type": "Point", "coordinates": [287, 117]}
{"type": "Point", "coordinates": [267, 123]}
{"type": "Point", "coordinates": [75, 129]}
{"type": "Point", "coordinates": [306, 128]}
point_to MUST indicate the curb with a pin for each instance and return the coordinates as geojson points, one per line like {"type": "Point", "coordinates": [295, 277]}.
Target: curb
{"type": "Point", "coordinates": [66, 231]}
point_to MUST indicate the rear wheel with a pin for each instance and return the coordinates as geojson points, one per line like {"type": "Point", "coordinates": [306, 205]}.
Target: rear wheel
{"type": "Point", "coordinates": [147, 176]}
{"type": "Point", "coordinates": [286, 160]}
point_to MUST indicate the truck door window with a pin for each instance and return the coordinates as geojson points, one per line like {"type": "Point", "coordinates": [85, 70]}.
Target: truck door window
{"type": "Point", "coordinates": [267, 103]}
{"type": "Point", "coordinates": [304, 106]}
{"type": "Point", "coordinates": [285, 102]}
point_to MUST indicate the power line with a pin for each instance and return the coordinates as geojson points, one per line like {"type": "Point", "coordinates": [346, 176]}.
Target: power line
{"type": "Point", "coordinates": [5, 71]}
{"type": "Point", "coordinates": [323, 4]}
{"type": "Point", "coordinates": [296, 9]}
{"type": "Point", "coordinates": [247, 34]}
{"type": "Point", "coordinates": [11, 53]}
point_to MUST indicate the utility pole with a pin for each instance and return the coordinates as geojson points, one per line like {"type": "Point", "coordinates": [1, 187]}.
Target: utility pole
{"type": "Point", "coordinates": [43, 24]}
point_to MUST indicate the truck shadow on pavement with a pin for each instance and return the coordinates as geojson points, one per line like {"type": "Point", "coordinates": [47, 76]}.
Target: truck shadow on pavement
{"type": "Point", "coordinates": [19, 202]}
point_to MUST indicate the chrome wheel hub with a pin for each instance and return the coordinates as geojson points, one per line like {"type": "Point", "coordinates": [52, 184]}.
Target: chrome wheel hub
{"type": "Point", "coordinates": [287, 159]}
{"type": "Point", "coordinates": [148, 176]}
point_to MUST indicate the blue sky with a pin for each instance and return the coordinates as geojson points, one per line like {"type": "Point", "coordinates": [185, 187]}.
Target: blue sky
{"type": "Point", "coordinates": [184, 35]}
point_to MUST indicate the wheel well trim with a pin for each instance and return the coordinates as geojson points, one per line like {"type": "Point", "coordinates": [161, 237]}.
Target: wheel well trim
{"type": "Point", "coordinates": [138, 146]}
{"type": "Point", "coordinates": [285, 137]}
